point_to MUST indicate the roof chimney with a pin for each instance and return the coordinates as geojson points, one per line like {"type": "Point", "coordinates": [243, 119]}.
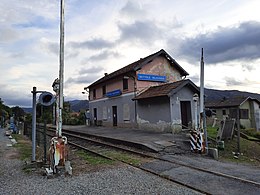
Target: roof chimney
{"type": "Point", "coordinates": [105, 74]}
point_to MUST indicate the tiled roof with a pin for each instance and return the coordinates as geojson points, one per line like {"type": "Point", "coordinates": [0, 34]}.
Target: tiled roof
{"type": "Point", "coordinates": [228, 102]}
{"type": "Point", "coordinates": [166, 89]}
{"type": "Point", "coordinates": [137, 65]}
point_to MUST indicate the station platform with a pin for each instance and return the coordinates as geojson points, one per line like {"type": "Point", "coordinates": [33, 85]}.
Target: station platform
{"type": "Point", "coordinates": [149, 140]}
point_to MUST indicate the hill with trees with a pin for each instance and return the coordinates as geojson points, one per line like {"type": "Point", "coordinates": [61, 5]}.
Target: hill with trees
{"type": "Point", "coordinates": [214, 94]}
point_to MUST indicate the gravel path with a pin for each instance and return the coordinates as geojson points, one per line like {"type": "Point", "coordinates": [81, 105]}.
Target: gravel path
{"type": "Point", "coordinates": [120, 180]}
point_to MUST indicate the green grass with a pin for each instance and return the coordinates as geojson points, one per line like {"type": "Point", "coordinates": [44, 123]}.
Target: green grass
{"type": "Point", "coordinates": [92, 159]}
{"type": "Point", "coordinates": [24, 147]}
{"type": "Point", "coordinates": [212, 132]}
{"type": "Point", "coordinates": [252, 133]}
{"type": "Point", "coordinates": [249, 150]}
{"type": "Point", "coordinates": [124, 157]}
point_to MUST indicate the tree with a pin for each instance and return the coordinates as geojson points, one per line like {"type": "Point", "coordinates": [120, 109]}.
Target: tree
{"type": "Point", "coordinates": [5, 112]}
{"type": "Point", "coordinates": [18, 113]}
{"type": "Point", "coordinates": [44, 113]}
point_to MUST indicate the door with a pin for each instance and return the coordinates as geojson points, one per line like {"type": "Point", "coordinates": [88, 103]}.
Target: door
{"type": "Point", "coordinates": [114, 112]}
{"type": "Point", "coordinates": [95, 116]}
{"type": "Point", "coordinates": [185, 114]}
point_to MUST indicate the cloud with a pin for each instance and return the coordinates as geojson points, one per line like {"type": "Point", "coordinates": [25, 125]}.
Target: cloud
{"type": "Point", "coordinates": [195, 78]}
{"type": "Point", "coordinates": [80, 80]}
{"type": "Point", "coordinates": [104, 55]}
{"type": "Point", "coordinates": [142, 31]}
{"type": "Point", "coordinates": [91, 70]}
{"type": "Point", "coordinates": [248, 67]}
{"type": "Point", "coordinates": [12, 98]}
{"type": "Point", "coordinates": [94, 44]}
{"type": "Point", "coordinates": [232, 81]}
{"type": "Point", "coordinates": [86, 75]}
{"type": "Point", "coordinates": [36, 22]}
{"type": "Point", "coordinates": [225, 44]}
{"type": "Point", "coordinates": [132, 9]}
{"type": "Point", "coordinates": [8, 35]}
{"type": "Point", "coordinates": [52, 47]}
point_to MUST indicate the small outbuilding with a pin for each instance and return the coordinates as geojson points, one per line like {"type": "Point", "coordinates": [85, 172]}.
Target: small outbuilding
{"type": "Point", "coordinates": [248, 108]}
{"type": "Point", "coordinates": [167, 107]}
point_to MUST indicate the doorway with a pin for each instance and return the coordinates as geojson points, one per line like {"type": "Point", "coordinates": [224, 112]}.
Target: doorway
{"type": "Point", "coordinates": [114, 112]}
{"type": "Point", "coordinates": [95, 116]}
{"type": "Point", "coordinates": [186, 114]}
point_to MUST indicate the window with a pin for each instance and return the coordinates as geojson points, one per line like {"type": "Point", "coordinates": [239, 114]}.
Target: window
{"type": "Point", "coordinates": [125, 83]}
{"type": "Point", "coordinates": [126, 112]}
{"type": "Point", "coordinates": [94, 93]}
{"type": "Point", "coordinates": [233, 113]}
{"type": "Point", "coordinates": [244, 114]}
{"type": "Point", "coordinates": [104, 90]}
{"type": "Point", "coordinates": [104, 113]}
{"type": "Point", "coordinates": [224, 112]}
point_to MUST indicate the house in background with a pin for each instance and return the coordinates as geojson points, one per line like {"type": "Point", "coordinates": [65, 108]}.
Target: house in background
{"type": "Point", "coordinates": [249, 110]}
{"type": "Point", "coordinates": [149, 93]}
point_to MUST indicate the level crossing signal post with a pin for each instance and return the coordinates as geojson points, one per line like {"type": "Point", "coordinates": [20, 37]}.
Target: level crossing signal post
{"type": "Point", "coordinates": [196, 134]}
{"type": "Point", "coordinates": [45, 99]}
{"type": "Point", "coordinates": [58, 150]}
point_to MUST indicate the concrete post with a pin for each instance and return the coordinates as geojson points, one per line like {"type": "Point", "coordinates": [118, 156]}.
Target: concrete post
{"type": "Point", "coordinates": [34, 124]}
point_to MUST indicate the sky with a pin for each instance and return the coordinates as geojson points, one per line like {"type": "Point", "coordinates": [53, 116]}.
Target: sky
{"type": "Point", "coordinates": [102, 36]}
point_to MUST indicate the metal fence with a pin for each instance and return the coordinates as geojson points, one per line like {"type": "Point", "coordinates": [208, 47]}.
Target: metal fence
{"type": "Point", "coordinates": [42, 139]}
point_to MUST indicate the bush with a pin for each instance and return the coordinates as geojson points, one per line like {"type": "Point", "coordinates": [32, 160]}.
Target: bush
{"type": "Point", "coordinates": [252, 132]}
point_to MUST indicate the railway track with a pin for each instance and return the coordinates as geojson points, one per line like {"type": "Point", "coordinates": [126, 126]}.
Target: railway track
{"type": "Point", "coordinates": [105, 152]}
{"type": "Point", "coordinates": [204, 181]}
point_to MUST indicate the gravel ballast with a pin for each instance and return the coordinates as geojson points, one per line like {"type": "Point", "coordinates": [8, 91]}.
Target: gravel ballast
{"type": "Point", "coordinates": [117, 180]}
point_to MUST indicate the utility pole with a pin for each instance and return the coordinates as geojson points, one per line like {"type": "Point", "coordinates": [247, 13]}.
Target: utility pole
{"type": "Point", "coordinates": [202, 107]}
{"type": "Point", "coordinates": [59, 143]}
{"type": "Point", "coordinates": [61, 72]}
{"type": "Point", "coordinates": [34, 91]}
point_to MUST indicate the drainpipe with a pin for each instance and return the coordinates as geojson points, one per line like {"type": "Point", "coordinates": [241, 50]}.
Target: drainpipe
{"type": "Point", "coordinates": [135, 100]}
{"type": "Point", "coordinates": [127, 76]}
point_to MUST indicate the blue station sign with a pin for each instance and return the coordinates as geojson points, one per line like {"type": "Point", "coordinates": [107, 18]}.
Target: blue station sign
{"type": "Point", "coordinates": [150, 77]}
{"type": "Point", "coordinates": [114, 93]}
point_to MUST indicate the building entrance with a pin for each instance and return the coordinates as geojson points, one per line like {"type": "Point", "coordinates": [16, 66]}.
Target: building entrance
{"type": "Point", "coordinates": [185, 114]}
{"type": "Point", "coordinates": [114, 112]}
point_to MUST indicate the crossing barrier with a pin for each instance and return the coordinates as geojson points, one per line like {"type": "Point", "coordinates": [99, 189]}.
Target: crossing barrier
{"type": "Point", "coordinates": [197, 142]}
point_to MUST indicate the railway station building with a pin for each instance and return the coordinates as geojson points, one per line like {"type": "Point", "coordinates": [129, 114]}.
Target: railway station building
{"type": "Point", "coordinates": [151, 93]}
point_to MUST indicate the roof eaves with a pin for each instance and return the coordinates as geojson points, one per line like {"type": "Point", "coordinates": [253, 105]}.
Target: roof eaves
{"type": "Point", "coordinates": [168, 57]}
{"type": "Point", "coordinates": [135, 66]}
{"type": "Point", "coordinates": [167, 89]}
{"type": "Point", "coordinates": [112, 75]}
{"type": "Point", "coordinates": [184, 83]}
{"type": "Point", "coordinates": [184, 73]}
{"type": "Point", "coordinates": [147, 59]}
{"type": "Point", "coordinates": [148, 97]}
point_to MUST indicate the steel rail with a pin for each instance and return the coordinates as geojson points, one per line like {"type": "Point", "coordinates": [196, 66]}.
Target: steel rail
{"type": "Point", "coordinates": [170, 161]}
{"type": "Point", "coordinates": [135, 166]}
